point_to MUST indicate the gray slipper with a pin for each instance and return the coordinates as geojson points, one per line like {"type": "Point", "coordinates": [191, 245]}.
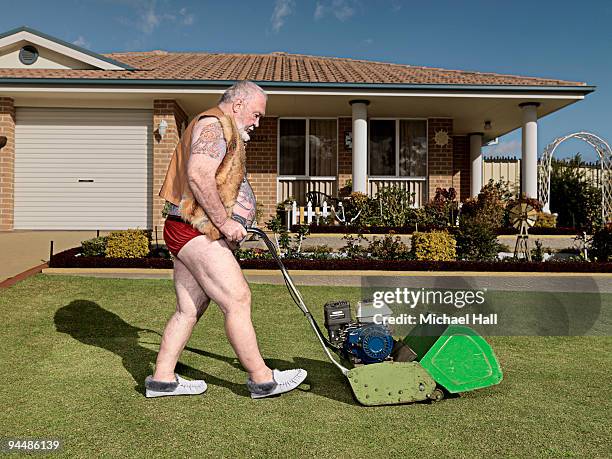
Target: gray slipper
{"type": "Point", "coordinates": [178, 387]}
{"type": "Point", "coordinates": [282, 381]}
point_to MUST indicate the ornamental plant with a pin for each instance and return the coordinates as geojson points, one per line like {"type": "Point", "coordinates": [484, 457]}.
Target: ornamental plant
{"type": "Point", "coordinates": [572, 196]}
{"type": "Point", "coordinates": [434, 246]}
{"type": "Point", "coordinates": [131, 243]}
{"type": "Point", "coordinates": [390, 247]}
{"type": "Point", "coordinates": [441, 211]}
{"type": "Point", "coordinates": [394, 207]}
{"type": "Point", "coordinates": [95, 247]}
{"type": "Point", "coordinates": [488, 208]}
{"type": "Point", "coordinates": [545, 220]}
{"type": "Point", "coordinates": [601, 244]}
{"type": "Point", "coordinates": [353, 247]}
{"type": "Point", "coordinates": [476, 241]}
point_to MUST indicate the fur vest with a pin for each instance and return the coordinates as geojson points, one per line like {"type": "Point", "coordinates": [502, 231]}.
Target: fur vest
{"type": "Point", "coordinates": [229, 175]}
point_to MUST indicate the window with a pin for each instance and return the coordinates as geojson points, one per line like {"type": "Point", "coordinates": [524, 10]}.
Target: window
{"type": "Point", "coordinates": [398, 148]}
{"type": "Point", "coordinates": [316, 157]}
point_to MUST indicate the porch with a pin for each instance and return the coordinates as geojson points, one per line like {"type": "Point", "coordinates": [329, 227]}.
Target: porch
{"type": "Point", "coordinates": [297, 188]}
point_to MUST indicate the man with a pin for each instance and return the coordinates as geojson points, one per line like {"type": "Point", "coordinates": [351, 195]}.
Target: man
{"type": "Point", "coordinates": [210, 203]}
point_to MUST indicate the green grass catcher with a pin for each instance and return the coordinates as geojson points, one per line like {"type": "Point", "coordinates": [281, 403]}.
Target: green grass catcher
{"type": "Point", "coordinates": [425, 365]}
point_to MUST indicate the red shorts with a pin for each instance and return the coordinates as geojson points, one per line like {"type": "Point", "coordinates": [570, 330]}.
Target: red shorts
{"type": "Point", "coordinates": [177, 233]}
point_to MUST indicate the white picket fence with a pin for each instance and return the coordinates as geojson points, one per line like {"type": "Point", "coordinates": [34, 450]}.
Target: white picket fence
{"type": "Point", "coordinates": [309, 214]}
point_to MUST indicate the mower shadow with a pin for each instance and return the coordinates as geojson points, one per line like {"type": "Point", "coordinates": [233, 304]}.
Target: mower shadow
{"type": "Point", "coordinates": [89, 323]}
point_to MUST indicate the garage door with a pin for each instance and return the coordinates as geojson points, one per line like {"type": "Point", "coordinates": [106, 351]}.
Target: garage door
{"type": "Point", "coordinates": [83, 168]}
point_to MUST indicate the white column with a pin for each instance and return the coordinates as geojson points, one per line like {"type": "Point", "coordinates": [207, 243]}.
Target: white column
{"type": "Point", "coordinates": [360, 145]}
{"type": "Point", "coordinates": [529, 160]}
{"type": "Point", "coordinates": [475, 163]}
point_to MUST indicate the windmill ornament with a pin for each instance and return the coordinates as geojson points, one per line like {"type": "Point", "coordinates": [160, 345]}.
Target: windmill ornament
{"type": "Point", "coordinates": [522, 216]}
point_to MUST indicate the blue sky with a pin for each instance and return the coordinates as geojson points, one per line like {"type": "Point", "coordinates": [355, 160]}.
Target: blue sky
{"type": "Point", "coordinates": [557, 39]}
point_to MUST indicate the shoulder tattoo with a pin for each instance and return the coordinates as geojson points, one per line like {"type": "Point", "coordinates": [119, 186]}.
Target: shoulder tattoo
{"type": "Point", "coordinates": [210, 142]}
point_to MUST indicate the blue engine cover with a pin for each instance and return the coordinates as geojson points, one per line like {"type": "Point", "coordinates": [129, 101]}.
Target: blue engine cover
{"type": "Point", "coordinates": [371, 343]}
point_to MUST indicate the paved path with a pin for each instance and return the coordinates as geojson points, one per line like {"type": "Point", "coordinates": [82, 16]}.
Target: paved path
{"type": "Point", "coordinates": [541, 282]}
{"type": "Point", "coordinates": [22, 250]}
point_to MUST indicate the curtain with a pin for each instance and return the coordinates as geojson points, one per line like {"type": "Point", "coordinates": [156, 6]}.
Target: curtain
{"type": "Point", "coordinates": [413, 148]}
{"type": "Point", "coordinates": [292, 147]}
{"type": "Point", "coordinates": [382, 147]}
{"type": "Point", "coordinates": [323, 144]}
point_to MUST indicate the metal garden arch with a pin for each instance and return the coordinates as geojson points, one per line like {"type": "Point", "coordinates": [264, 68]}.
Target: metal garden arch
{"type": "Point", "coordinates": [605, 163]}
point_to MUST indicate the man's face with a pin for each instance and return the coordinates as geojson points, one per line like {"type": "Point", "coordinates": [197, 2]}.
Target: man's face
{"type": "Point", "coordinates": [247, 113]}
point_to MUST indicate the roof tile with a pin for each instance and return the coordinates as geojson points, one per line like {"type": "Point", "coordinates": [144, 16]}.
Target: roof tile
{"type": "Point", "coordinates": [278, 67]}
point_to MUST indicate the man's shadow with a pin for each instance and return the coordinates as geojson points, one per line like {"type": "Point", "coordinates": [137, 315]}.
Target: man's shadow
{"type": "Point", "coordinates": [93, 325]}
{"type": "Point", "coordinates": [89, 323]}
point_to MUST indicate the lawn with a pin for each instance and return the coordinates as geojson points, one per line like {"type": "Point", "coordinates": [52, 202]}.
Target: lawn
{"type": "Point", "coordinates": [76, 350]}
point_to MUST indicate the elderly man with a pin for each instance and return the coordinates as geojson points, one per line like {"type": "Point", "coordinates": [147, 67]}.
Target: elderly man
{"type": "Point", "coordinates": [210, 204]}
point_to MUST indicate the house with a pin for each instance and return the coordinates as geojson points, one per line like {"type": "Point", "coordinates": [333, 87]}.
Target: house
{"type": "Point", "coordinates": [90, 136]}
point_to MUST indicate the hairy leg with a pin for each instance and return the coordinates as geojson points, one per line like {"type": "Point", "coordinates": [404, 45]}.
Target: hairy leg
{"type": "Point", "coordinates": [191, 302]}
{"type": "Point", "coordinates": [218, 273]}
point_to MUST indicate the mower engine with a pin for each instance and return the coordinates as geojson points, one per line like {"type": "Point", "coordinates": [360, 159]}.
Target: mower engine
{"type": "Point", "coordinates": [360, 341]}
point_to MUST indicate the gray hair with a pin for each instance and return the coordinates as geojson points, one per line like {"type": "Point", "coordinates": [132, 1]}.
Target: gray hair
{"type": "Point", "coordinates": [244, 90]}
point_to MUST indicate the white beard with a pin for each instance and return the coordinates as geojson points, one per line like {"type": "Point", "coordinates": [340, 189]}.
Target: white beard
{"type": "Point", "coordinates": [245, 135]}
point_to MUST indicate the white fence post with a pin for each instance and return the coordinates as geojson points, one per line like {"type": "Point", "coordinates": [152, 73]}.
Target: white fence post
{"type": "Point", "coordinates": [309, 213]}
{"type": "Point", "coordinates": [294, 213]}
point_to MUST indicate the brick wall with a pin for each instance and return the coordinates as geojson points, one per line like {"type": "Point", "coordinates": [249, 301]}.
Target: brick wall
{"type": "Point", "coordinates": [440, 159]}
{"type": "Point", "coordinates": [461, 166]}
{"type": "Point", "coordinates": [7, 163]}
{"type": "Point", "coordinates": [345, 156]}
{"type": "Point", "coordinates": [174, 115]}
{"type": "Point", "coordinates": [262, 167]}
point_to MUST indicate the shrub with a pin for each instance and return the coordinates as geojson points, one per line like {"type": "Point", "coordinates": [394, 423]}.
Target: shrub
{"type": "Point", "coordinates": [393, 207]}
{"type": "Point", "coordinates": [353, 248]}
{"type": "Point", "coordinates": [435, 246]}
{"type": "Point", "coordinates": [281, 235]}
{"type": "Point", "coordinates": [476, 241]}
{"type": "Point", "coordinates": [488, 208]}
{"type": "Point", "coordinates": [545, 220]}
{"type": "Point", "coordinates": [572, 196]}
{"type": "Point", "coordinates": [95, 247]}
{"type": "Point", "coordinates": [359, 209]}
{"type": "Point", "coordinates": [390, 247]}
{"type": "Point", "coordinates": [601, 244]}
{"type": "Point", "coordinates": [131, 243]}
{"type": "Point", "coordinates": [321, 252]}
{"type": "Point", "coordinates": [441, 211]}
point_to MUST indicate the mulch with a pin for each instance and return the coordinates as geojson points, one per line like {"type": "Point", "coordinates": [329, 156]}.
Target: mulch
{"type": "Point", "coordinates": [67, 259]}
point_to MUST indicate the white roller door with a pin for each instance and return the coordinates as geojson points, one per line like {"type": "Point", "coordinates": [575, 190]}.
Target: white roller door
{"type": "Point", "coordinates": [83, 168]}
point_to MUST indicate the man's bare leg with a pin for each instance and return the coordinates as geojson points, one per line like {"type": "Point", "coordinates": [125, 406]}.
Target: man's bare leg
{"type": "Point", "coordinates": [213, 265]}
{"type": "Point", "coordinates": [192, 301]}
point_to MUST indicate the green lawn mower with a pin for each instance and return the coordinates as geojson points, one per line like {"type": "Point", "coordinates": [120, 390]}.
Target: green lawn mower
{"type": "Point", "coordinates": [429, 363]}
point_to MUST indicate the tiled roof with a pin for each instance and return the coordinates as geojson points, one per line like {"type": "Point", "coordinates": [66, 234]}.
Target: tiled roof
{"type": "Point", "coordinates": [279, 67]}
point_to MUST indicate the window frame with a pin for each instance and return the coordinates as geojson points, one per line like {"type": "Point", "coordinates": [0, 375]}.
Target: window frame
{"type": "Point", "coordinates": [397, 149]}
{"type": "Point", "coordinates": [307, 144]}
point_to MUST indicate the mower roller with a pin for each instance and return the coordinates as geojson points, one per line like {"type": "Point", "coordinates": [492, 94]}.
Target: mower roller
{"type": "Point", "coordinates": [423, 366]}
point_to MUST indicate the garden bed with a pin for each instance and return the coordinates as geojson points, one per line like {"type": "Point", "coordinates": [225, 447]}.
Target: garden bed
{"type": "Point", "coordinates": [343, 229]}
{"type": "Point", "coordinates": [69, 259]}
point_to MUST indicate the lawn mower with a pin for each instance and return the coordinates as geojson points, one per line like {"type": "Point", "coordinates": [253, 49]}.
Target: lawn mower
{"type": "Point", "coordinates": [429, 363]}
